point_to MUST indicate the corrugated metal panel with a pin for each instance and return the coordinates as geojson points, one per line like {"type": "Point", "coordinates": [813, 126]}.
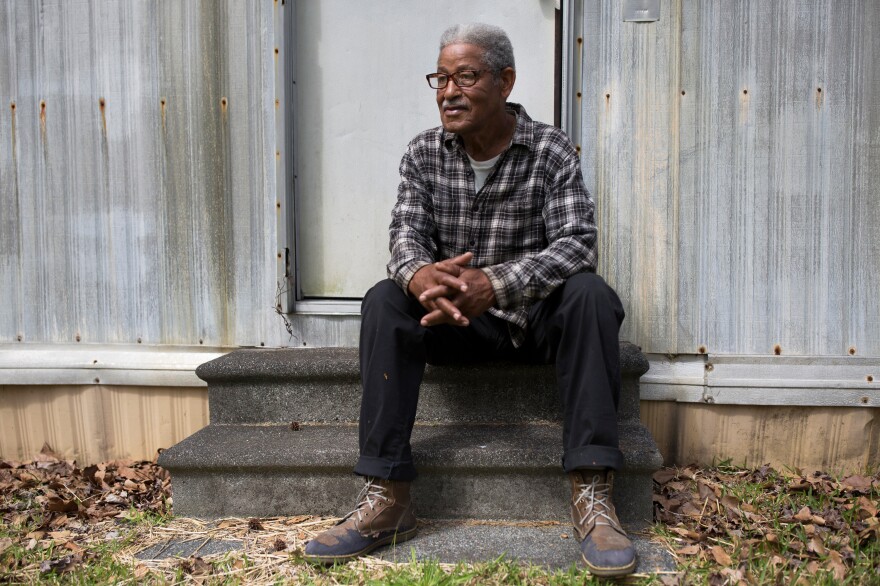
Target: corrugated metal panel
{"type": "Point", "coordinates": [734, 151]}
{"type": "Point", "coordinates": [137, 172]}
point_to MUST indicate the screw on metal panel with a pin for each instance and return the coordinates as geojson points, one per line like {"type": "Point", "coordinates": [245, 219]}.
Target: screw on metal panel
{"type": "Point", "coordinates": [745, 92]}
{"type": "Point", "coordinates": [43, 105]}
{"type": "Point", "coordinates": [162, 101]}
{"type": "Point", "coordinates": [78, 338]}
{"type": "Point", "coordinates": [277, 102]}
{"type": "Point", "coordinates": [701, 350]}
{"type": "Point", "coordinates": [262, 343]}
{"type": "Point", "coordinates": [777, 349]}
{"type": "Point", "coordinates": [139, 340]}
{"type": "Point", "coordinates": [607, 96]}
{"type": "Point", "coordinates": [278, 204]}
{"type": "Point", "coordinates": [101, 102]}
{"type": "Point", "coordinates": [869, 378]}
{"type": "Point", "coordinates": [865, 400]}
{"type": "Point", "coordinates": [97, 380]}
{"type": "Point", "coordinates": [201, 341]}
{"type": "Point", "coordinates": [682, 92]}
{"type": "Point", "coordinates": [94, 362]}
{"type": "Point", "coordinates": [580, 40]}
{"type": "Point", "coordinates": [818, 89]}
{"type": "Point", "coordinates": [710, 367]}
{"type": "Point", "coordinates": [12, 106]}
{"type": "Point", "coordinates": [223, 103]}
{"type": "Point", "coordinates": [578, 148]}
{"type": "Point", "coordinates": [277, 154]}
{"type": "Point", "coordinates": [279, 255]}
{"type": "Point", "coordinates": [19, 337]}
{"type": "Point", "coordinates": [852, 350]}
{"type": "Point", "coordinates": [579, 94]}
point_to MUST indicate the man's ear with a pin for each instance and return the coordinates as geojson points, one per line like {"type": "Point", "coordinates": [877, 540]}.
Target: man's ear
{"type": "Point", "coordinates": [508, 78]}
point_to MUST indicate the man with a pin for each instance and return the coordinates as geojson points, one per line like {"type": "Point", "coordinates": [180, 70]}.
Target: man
{"type": "Point", "coordinates": [493, 253]}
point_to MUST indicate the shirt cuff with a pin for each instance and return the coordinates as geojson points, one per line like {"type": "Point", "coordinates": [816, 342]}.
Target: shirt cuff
{"type": "Point", "coordinates": [506, 285]}
{"type": "Point", "coordinates": [406, 271]}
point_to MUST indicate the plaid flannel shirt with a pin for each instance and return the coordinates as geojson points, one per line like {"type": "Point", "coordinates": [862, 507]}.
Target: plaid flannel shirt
{"type": "Point", "coordinates": [530, 227]}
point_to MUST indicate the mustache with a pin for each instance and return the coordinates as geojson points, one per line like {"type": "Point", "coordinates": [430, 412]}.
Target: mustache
{"type": "Point", "coordinates": [453, 103]}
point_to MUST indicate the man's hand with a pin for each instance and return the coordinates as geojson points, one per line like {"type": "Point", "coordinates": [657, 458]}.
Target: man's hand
{"type": "Point", "coordinates": [452, 292]}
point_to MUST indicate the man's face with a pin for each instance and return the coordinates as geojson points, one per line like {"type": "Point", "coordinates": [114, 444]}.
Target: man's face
{"type": "Point", "coordinates": [467, 111]}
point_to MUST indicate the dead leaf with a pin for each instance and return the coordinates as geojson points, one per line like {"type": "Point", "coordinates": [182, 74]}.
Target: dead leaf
{"type": "Point", "coordinates": [836, 565]}
{"type": "Point", "coordinates": [815, 545]}
{"type": "Point", "coordinates": [140, 571]}
{"type": "Point", "coordinates": [804, 515]}
{"type": "Point", "coordinates": [255, 525]}
{"type": "Point", "coordinates": [689, 550]}
{"type": "Point", "coordinates": [664, 475]}
{"type": "Point", "coordinates": [856, 483]}
{"type": "Point", "coordinates": [59, 565]}
{"type": "Point", "coordinates": [5, 543]}
{"type": "Point", "coordinates": [227, 523]}
{"type": "Point", "coordinates": [721, 556]}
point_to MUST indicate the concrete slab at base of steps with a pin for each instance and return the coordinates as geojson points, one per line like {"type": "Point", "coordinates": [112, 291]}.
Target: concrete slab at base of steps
{"type": "Point", "coordinates": [548, 544]}
{"type": "Point", "coordinates": [509, 471]}
{"type": "Point", "coordinates": [323, 385]}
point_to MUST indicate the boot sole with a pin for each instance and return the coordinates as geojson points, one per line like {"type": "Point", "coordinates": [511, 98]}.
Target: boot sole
{"type": "Point", "coordinates": [606, 571]}
{"type": "Point", "coordinates": [398, 537]}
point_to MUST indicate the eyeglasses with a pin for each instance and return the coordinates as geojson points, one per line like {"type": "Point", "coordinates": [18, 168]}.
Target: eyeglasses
{"type": "Point", "coordinates": [464, 78]}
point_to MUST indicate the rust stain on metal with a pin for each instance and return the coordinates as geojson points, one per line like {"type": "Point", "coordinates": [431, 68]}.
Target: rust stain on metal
{"type": "Point", "coordinates": [223, 104]}
{"type": "Point", "coordinates": [710, 367]}
{"type": "Point", "coordinates": [701, 350]}
{"type": "Point", "coordinates": [820, 97]}
{"type": "Point", "coordinates": [277, 103]}
{"type": "Point", "coordinates": [852, 350]}
{"type": "Point", "coordinates": [777, 349]}
{"type": "Point", "coordinates": [43, 119]}
{"type": "Point", "coordinates": [102, 105]}
{"type": "Point", "coordinates": [162, 104]}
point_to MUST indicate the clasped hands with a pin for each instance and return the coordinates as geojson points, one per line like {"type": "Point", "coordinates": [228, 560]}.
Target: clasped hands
{"type": "Point", "coordinates": [451, 291]}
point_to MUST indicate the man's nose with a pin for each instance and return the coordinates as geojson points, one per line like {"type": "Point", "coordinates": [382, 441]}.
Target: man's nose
{"type": "Point", "coordinates": [451, 88]}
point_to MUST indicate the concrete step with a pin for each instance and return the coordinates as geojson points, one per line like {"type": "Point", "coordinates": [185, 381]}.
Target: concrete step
{"type": "Point", "coordinates": [546, 544]}
{"type": "Point", "coordinates": [477, 471]}
{"type": "Point", "coordinates": [323, 385]}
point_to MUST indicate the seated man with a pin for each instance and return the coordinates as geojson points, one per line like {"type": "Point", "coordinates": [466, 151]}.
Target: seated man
{"type": "Point", "coordinates": [493, 256]}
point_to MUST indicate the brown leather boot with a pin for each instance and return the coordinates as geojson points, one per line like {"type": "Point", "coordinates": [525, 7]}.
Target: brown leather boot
{"type": "Point", "coordinates": [605, 547]}
{"type": "Point", "coordinates": [384, 514]}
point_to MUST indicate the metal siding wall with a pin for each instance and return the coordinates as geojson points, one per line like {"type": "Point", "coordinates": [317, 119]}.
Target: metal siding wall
{"type": "Point", "coordinates": [737, 202]}
{"type": "Point", "coordinates": [138, 205]}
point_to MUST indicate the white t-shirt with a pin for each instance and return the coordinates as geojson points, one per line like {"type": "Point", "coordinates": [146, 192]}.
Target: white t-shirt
{"type": "Point", "coordinates": [482, 170]}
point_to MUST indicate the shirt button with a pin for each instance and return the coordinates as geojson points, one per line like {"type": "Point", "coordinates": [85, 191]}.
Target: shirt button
{"type": "Point", "coordinates": [473, 242]}
{"type": "Point", "coordinates": [476, 207]}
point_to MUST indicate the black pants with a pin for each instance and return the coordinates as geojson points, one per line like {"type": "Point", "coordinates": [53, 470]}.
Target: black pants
{"type": "Point", "coordinates": [575, 327]}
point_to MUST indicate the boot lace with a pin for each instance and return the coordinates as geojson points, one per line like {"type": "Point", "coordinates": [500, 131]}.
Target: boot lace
{"type": "Point", "coordinates": [371, 493]}
{"type": "Point", "coordinates": [596, 497]}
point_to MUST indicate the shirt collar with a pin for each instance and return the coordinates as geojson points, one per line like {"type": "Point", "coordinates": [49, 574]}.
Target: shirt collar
{"type": "Point", "coordinates": [523, 134]}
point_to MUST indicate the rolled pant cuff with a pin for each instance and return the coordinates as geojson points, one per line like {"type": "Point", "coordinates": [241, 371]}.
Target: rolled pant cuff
{"type": "Point", "coordinates": [385, 469]}
{"type": "Point", "coordinates": [595, 457]}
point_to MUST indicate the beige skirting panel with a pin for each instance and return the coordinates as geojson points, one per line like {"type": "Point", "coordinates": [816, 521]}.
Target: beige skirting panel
{"type": "Point", "coordinates": [832, 439]}
{"type": "Point", "coordinates": [100, 422]}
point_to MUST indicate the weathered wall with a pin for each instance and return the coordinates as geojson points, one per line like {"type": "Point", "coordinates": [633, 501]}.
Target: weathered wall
{"type": "Point", "coordinates": [734, 151]}
{"type": "Point", "coordinates": [137, 172]}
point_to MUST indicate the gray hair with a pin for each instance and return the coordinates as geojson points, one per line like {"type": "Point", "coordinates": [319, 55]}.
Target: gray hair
{"type": "Point", "coordinates": [496, 46]}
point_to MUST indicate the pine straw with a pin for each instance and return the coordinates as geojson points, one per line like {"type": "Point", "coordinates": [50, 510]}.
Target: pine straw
{"type": "Point", "coordinates": [270, 550]}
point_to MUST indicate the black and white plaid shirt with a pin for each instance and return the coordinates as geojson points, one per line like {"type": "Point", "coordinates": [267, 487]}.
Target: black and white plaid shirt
{"type": "Point", "coordinates": [530, 227]}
